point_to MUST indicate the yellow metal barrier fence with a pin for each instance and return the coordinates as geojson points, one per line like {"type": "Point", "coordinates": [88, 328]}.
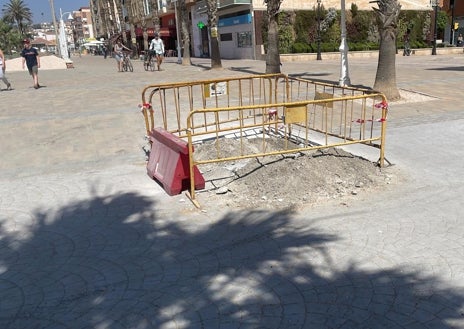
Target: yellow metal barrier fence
{"type": "Point", "coordinates": [295, 115]}
{"type": "Point", "coordinates": [168, 105]}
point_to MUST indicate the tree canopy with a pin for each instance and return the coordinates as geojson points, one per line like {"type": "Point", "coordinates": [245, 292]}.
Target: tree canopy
{"type": "Point", "coordinates": [16, 12]}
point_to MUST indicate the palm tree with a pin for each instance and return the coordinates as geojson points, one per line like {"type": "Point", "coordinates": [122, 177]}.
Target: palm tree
{"type": "Point", "coordinates": [16, 12]}
{"type": "Point", "coordinates": [212, 9]}
{"type": "Point", "coordinates": [387, 22]}
{"type": "Point", "coordinates": [122, 26]}
{"type": "Point", "coordinates": [273, 56]}
{"type": "Point", "coordinates": [156, 10]}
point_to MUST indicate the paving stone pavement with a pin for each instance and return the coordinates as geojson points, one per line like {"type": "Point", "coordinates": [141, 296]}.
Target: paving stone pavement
{"type": "Point", "coordinates": [88, 241]}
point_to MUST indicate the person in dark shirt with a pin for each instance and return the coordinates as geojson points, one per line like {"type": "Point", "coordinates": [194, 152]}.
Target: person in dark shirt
{"type": "Point", "coordinates": [407, 46]}
{"type": "Point", "coordinates": [32, 60]}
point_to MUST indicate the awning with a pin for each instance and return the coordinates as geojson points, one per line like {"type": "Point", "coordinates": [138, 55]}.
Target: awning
{"type": "Point", "coordinates": [163, 32]}
{"type": "Point", "coordinates": [92, 44]}
{"type": "Point", "coordinates": [167, 32]}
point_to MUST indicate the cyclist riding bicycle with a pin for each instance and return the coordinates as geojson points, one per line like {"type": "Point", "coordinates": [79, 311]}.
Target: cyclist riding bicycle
{"type": "Point", "coordinates": [118, 53]}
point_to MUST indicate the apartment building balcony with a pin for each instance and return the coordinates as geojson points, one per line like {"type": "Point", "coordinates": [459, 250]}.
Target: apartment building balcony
{"type": "Point", "coordinates": [201, 5]}
{"type": "Point", "coordinates": [229, 3]}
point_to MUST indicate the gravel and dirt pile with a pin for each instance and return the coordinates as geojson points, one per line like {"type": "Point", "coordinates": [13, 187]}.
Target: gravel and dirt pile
{"type": "Point", "coordinates": [294, 180]}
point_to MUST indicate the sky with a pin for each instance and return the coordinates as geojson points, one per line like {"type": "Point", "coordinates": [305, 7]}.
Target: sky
{"type": "Point", "coordinates": [42, 12]}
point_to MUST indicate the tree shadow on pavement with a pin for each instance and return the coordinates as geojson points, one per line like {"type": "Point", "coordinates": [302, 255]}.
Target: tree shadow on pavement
{"type": "Point", "coordinates": [115, 262]}
{"type": "Point", "coordinates": [245, 69]}
{"type": "Point", "coordinates": [447, 68]}
{"type": "Point", "coordinates": [316, 78]}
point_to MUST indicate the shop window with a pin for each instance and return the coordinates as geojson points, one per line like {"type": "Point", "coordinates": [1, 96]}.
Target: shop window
{"type": "Point", "coordinates": [244, 39]}
{"type": "Point", "coordinates": [226, 37]}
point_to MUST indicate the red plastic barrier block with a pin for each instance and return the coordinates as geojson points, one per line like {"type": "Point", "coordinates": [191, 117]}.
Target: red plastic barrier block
{"type": "Point", "coordinates": [168, 163]}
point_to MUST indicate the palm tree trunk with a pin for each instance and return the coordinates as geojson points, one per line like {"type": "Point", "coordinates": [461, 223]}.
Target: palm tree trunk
{"type": "Point", "coordinates": [215, 54]}
{"type": "Point", "coordinates": [387, 22]}
{"type": "Point", "coordinates": [119, 14]}
{"type": "Point", "coordinates": [186, 60]}
{"type": "Point", "coordinates": [273, 56]}
{"type": "Point", "coordinates": [385, 79]}
{"type": "Point", "coordinates": [213, 34]}
{"type": "Point", "coordinates": [55, 25]}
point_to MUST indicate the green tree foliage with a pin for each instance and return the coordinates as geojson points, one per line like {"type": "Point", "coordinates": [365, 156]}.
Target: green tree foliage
{"type": "Point", "coordinates": [358, 23]}
{"type": "Point", "coordinates": [9, 38]}
{"type": "Point", "coordinates": [286, 32]}
{"type": "Point", "coordinates": [442, 22]}
{"type": "Point", "coordinates": [305, 29]}
{"type": "Point", "coordinates": [16, 12]}
{"type": "Point", "coordinates": [298, 30]}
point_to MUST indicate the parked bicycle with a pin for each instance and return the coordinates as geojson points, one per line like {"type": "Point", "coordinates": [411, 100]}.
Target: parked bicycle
{"type": "Point", "coordinates": [149, 61]}
{"type": "Point", "coordinates": [126, 62]}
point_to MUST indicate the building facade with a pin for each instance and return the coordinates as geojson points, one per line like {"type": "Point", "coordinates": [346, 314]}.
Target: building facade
{"type": "Point", "coordinates": [455, 11]}
{"type": "Point", "coordinates": [239, 22]}
{"type": "Point", "coordinates": [82, 24]}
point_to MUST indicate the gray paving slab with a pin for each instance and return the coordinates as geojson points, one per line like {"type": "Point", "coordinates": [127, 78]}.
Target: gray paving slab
{"type": "Point", "coordinates": [88, 241]}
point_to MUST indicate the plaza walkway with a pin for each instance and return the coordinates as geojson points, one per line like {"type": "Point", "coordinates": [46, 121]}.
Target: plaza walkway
{"type": "Point", "coordinates": [88, 241]}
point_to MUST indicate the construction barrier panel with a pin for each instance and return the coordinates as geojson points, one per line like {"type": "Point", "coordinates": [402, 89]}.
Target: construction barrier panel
{"type": "Point", "coordinates": [169, 163]}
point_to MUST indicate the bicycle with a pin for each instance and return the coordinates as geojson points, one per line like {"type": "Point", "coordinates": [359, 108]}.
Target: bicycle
{"type": "Point", "coordinates": [149, 62]}
{"type": "Point", "coordinates": [126, 62]}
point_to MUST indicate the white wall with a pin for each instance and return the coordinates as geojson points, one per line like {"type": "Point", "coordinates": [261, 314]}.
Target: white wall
{"type": "Point", "coordinates": [229, 49]}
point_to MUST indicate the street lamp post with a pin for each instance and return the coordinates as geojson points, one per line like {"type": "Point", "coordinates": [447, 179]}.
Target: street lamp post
{"type": "Point", "coordinates": [452, 22]}
{"type": "Point", "coordinates": [63, 39]}
{"type": "Point", "coordinates": [52, 7]}
{"type": "Point", "coordinates": [318, 57]}
{"type": "Point", "coordinates": [179, 54]}
{"type": "Point", "coordinates": [344, 71]}
{"type": "Point", "coordinates": [434, 4]}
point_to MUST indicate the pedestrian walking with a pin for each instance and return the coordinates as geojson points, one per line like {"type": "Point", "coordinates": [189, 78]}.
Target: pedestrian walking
{"type": "Point", "coordinates": [105, 51]}
{"type": "Point", "coordinates": [157, 49]}
{"type": "Point", "coordinates": [407, 46]}
{"type": "Point", "coordinates": [460, 40]}
{"type": "Point", "coordinates": [3, 69]}
{"type": "Point", "coordinates": [31, 58]}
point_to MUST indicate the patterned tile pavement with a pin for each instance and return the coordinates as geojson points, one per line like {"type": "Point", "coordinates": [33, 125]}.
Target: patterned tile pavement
{"type": "Point", "coordinates": [88, 241]}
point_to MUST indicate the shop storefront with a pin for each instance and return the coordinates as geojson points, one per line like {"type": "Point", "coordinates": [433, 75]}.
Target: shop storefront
{"type": "Point", "coordinates": [236, 32]}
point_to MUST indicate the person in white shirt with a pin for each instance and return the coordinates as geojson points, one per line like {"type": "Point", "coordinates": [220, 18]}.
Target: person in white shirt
{"type": "Point", "coordinates": [157, 49]}
{"type": "Point", "coordinates": [2, 71]}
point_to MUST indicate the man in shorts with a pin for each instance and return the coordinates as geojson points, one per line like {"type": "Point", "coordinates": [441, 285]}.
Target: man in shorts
{"type": "Point", "coordinates": [157, 48]}
{"type": "Point", "coordinates": [31, 58]}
